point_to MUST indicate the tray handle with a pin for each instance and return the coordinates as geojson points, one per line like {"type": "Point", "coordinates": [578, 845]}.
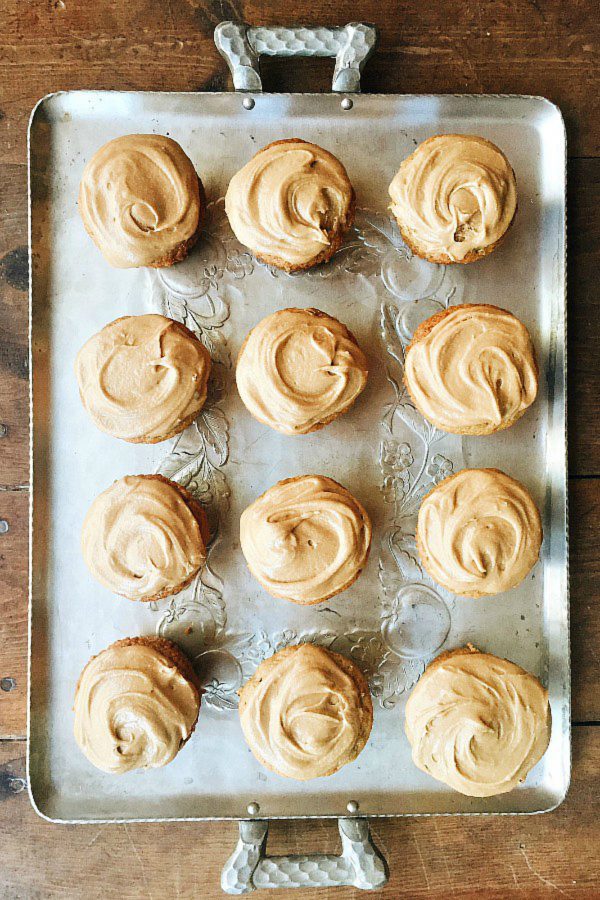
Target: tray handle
{"type": "Point", "coordinates": [243, 45]}
{"type": "Point", "coordinates": [360, 863]}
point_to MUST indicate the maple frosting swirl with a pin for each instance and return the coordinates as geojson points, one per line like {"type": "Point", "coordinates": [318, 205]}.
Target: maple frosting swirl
{"type": "Point", "coordinates": [478, 723]}
{"type": "Point", "coordinates": [140, 538]}
{"type": "Point", "coordinates": [143, 378]}
{"type": "Point", "coordinates": [479, 532]}
{"type": "Point", "coordinates": [306, 712]}
{"type": "Point", "coordinates": [472, 370]}
{"type": "Point", "coordinates": [454, 195]}
{"type": "Point", "coordinates": [133, 708]}
{"type": "Point", "coordinates": [139, 198]}
{"type": "Point", "coordinates": [298, 369]}
{"type": "Point", "coordinates": [288, 201]}
{"type": "Point", "coordinates": [305, 539]}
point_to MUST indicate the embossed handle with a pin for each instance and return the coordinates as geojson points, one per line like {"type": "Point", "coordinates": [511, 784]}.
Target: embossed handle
{"type": "Point", "coordinates": [360, 863]}
{"type": "Point", "coordinates": [243, 45]}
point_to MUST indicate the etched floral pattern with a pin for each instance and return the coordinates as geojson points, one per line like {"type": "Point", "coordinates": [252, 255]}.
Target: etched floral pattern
{"type": "Point", "coordinates": [195, 292]}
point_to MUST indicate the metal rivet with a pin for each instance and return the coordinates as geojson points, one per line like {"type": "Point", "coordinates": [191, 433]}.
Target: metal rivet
{"type": "Point", "coordinates": [347, 103]}
{"type": "Point", "coordinates": [253, 808]}
{"type": "Point", "coordinates": [3, 430]}
{"type": "Point", "coordinates": [248, 103]}
{"type": "Point", "coordinates": [8, 684]}
{"type": "Point", "coordinates": [16, 785]}
{"type": "Point", "coordinates": [3, 526]}
{"type": "Point", "coordinates": [352, 806]}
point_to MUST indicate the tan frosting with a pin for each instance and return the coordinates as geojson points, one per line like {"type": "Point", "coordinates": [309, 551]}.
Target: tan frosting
{"type": "Point", "coordinates": [479, 532]}
{"type": "Point", "coordinates": [303, 713]}
{"type": "Point", "coordinates": [142, 377]}
{"type": "Point", "coordinates": [475, 369]}
{"type": "Point", "coordinates": [305, 539]}
{"type": "Point", "coordinates": [140, 538]}
{"type": "Point", "coordinates": [288, 200]}
{"type": "Point", "coordinates": [299, 368]}
{"type": "Point", "coordinates": [139, 198]}
{"type": "Point", "coordinates": [133, 709]}
{"type": "Point", "coordinates": [455, 194]}
{"type": "Point", "coordinates": [478, 723]}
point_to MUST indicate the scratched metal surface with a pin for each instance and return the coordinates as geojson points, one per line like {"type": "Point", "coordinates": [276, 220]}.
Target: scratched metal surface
{"type": "Point", "coordinates": [394, 619]}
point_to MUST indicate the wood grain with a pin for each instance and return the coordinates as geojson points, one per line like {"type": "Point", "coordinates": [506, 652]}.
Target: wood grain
{"type": "Point", "coordinates": [14, 364]}
{"type": "Point", "coordinates": [14, 506]}
{"type": "Point", "coordinates": [543, 47]}
{"type": "Point", "coordinates": [583, 313]}
{"type": "Point", "coordinates": [496, 857]}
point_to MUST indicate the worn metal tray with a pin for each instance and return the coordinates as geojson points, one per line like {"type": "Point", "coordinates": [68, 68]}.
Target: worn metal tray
{"type": "Point", "coordinates": [393, 619]}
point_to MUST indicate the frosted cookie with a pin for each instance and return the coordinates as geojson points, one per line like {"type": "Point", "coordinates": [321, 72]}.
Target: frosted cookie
{"type": "Point", "coordinates": [471, 369]}
{"type": "Point", "coordinates": [306, 712]}
{"type": "Point", "coordinates": [144, 537]}
{"type": "Point", "coordinates": [306, 539]}
{"type": "Point", "coordinates": [477, 723]}
{"type": "Point", "coordinates": [479, 532]}
{"type": "Point", "coordinates": [291, 205]}
{"type": "Point", "coordinates": [136, 705]}
{"type": "Point", "coordinates": [141, 201]}
{"type": "Point", "coordinates": [299, 369]}
{"type": "Point", "coordinates": [454, 198]}
{"type": "Point", "coordinates": [143, 378]}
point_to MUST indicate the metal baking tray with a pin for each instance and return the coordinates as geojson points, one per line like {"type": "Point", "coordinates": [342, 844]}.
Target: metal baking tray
{"type": "Point", "coordinates": [393, 619]}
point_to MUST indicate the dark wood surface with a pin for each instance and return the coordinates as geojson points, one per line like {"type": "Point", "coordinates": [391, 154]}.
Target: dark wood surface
{"type": "Point", "coordinates": [526, 46]}
{"type": "Point", "coordinates": [494, 857]}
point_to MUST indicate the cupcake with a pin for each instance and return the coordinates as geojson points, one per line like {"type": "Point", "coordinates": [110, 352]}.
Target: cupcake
{"type": "Point", "coordinates": [477, 723]}
{"type": "Point", "coordinates": [144, 537]}
{"type": "Point", "coordinates": [143, 378]}
{"type": "Point", "coordinates": [291, 205]}
{"type": "Point", "coordinates": [305, 539]}
{"type": "Point", "coordinates": [306, 712]}
{"type": "Point", "coordinates": [478, 532]}
{"type": "Point", "coordinates": [299, 369]}
{"type": "Point", "coordinates": [471, 369]}
{"type": "Point", "coordinates": [141, 201]}
{"type": "Point", "coordinates": [454, 198]}
{"type": "Point", "coordinates": [136, 705]}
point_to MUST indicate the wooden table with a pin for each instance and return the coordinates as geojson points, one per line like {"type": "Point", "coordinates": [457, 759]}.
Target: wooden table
{"type": "Point", "coordinates": [546, 47]}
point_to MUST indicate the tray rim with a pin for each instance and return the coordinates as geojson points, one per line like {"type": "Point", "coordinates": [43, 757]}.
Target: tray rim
{"type": "Point", "coordinates": [567, 698]}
